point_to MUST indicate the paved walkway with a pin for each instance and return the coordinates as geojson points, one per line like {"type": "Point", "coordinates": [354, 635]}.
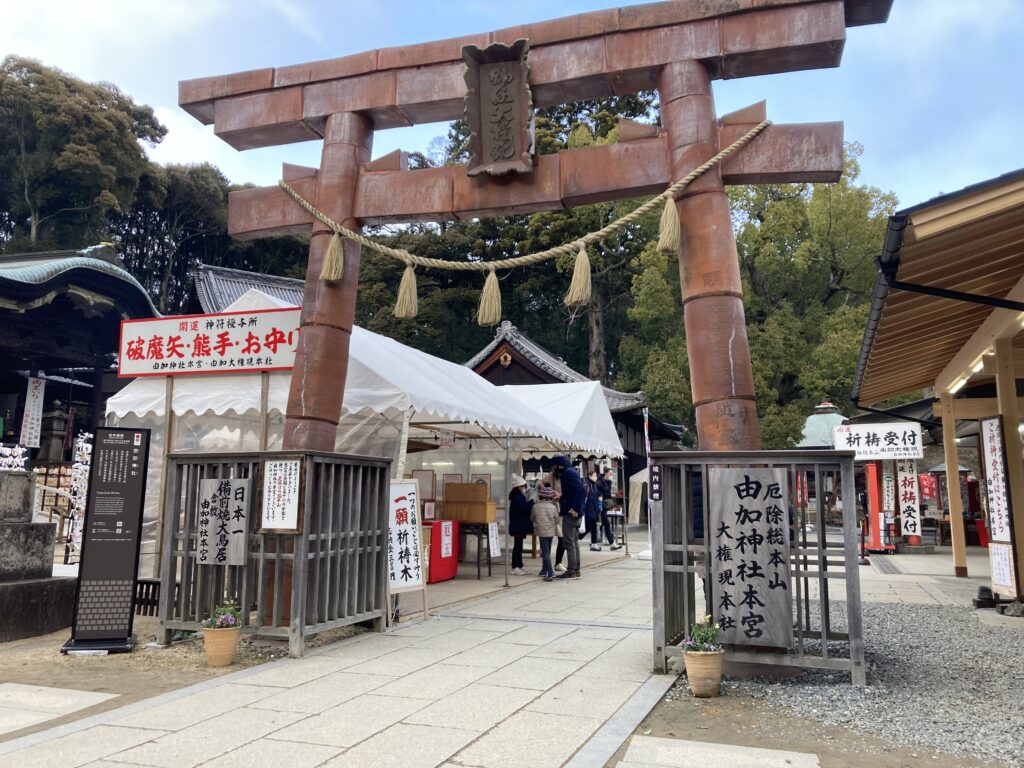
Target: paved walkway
{"type": "Point", "coordinates": [533, 675]}
{"type": "Point", "coordinates": [543, 674]}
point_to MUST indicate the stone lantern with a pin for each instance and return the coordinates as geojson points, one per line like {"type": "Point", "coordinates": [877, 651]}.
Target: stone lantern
{"type": "Point", "coordinates": [54, 430]}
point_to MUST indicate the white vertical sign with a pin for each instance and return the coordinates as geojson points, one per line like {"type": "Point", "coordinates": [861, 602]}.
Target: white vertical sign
{"type": "Point", "coordinates": [1000, 548]}
{"type": "Point", "coordinates": [405, 569]}
{"type": "Point", "coordinates": [492, 539]}
{"type": "Point", "coordinates": [907, 497]}
{"type": "Point", "coordinates": [281, 487]}
{"type": "Point", "coordinates": [994, 466]}
{"type": "Point", "coordinates": [32, 420]}
{"type": "Point", "coordinates": [446, 538]}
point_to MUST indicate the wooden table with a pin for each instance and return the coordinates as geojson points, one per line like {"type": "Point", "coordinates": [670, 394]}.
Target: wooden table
{"type": "Point", "coordinates": [482, 534]}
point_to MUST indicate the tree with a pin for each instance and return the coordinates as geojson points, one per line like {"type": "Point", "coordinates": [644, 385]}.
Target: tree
{"type": "Point", "coordinates": [69, 154]}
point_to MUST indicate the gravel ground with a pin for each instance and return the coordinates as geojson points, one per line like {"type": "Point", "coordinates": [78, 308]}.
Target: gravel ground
{"type": "Point", "coordinates": [937, 678]}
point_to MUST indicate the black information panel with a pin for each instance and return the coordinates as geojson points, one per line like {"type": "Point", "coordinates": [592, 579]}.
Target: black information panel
{"type": "Point", "coordinates": [105, 599]}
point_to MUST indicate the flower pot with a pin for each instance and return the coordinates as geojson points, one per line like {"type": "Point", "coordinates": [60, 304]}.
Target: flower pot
{"type": "Point", "coordinates": [704, 672]}
{"type": "Point", "coordinates": [220, 645]}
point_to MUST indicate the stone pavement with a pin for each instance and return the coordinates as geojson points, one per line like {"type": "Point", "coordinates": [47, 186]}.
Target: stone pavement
{"type": "Point", "coordinates": [543, 674]}
{"type": "Point", "coordinates": [533, 675]}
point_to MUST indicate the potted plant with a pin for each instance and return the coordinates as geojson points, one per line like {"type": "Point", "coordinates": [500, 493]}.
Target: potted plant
{"type": "Point", "coordinates": [220, 635]}
{"type": "Point", "coordinates": [703, 656]}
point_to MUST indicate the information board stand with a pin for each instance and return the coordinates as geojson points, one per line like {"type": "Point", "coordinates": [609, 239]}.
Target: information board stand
{"type": "Point", "coordinates": [109, 563]}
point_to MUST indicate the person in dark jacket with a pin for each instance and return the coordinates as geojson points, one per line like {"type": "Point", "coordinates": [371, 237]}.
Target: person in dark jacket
{"type": "Point", "coordinates": [571, 510]}
{"type": "Point", "coordinates": [604, 492]}
{"type": "Point", "coordinates": [592, 511]}
{"type": "Point", "coordinates": [519, 524]}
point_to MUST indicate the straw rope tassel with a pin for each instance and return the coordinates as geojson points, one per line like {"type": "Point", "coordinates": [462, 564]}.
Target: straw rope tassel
{"type": "Point", "coordinates": [334, 261]}
{"type": "Point", "coordinates": [668, 238]}
{"type": "Point", "coordinates": [407, 304]}
{"type": "Point", "coordinates": [579, 288]}
{"type": "Point", "coordinates": [490, 301]}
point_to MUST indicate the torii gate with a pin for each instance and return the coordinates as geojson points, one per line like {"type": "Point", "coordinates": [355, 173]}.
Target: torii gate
{"type": "Point", "coordinates": [677, 47]}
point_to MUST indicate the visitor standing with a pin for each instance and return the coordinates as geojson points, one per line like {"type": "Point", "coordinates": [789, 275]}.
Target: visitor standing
{"type": "Point", "coordinates": [604, 486]}
{"type": "Point", "coordinates": [570, 510]}
{"type": "Point", "coordinates": [519, 524]}
{"type": "Point", "coordinates": [592, 511]}
{"type": "Point", "coordinates": [545, 521]}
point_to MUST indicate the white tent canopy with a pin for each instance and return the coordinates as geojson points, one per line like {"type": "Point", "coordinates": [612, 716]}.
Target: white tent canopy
{"type": "Point", "coordinates": [387, 377]}
{"type": "Point", "coordinates": [578, 408]}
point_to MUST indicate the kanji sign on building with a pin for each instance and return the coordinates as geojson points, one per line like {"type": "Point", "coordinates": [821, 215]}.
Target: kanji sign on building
{"type": "Point", "coordinates": [1000, 548]}
{"type": "Point", "coordinates": [894, 440]}
{"type": "Point", "coordinates": [223, 521]}
{"type": "Point", "coordinates": [282, 485]}
{"type": "Point", "coordinates": [749, 522]}
{"type": "Point", "coordinates": [229, 342]}
{"type": "Point", "coordinates": [405, 568]}
{"type": "Point", "coordinates": [908, 500]}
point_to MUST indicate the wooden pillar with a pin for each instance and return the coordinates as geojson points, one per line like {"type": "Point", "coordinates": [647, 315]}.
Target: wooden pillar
{"type": "Point", "coordinates": [721, 378]}
{"type": "Point", "coordinates": [328, 309]}
{"type": "Point", "coordinates": [956, 506]}
{"type": "Point", "coordinates": [1006, 394]}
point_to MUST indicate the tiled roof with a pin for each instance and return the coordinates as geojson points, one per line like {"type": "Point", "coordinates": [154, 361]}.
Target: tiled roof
{"type": "Point", "coordinates": [219, 286]}
{"type": "Point", "coordinates": [26, 277]}
{"type": "Point", "coordinates": [553, 365]}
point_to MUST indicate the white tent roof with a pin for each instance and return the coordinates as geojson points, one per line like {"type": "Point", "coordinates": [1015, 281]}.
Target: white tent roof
{"type": "Point", "coordinates": [579, 408]}
{"type": "Point", "coordinates": [385, 376]}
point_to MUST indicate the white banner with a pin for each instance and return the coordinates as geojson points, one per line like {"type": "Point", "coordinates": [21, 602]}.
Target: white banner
{"type": "Point", "coordinates": [405, 570]}
{"type": "Point", "coordinates": [446, 538]}
{"type": "Point", "coordinates": [281, 489]}
{"type": "Point", "coordinates": [257, 340]}
{"type": "Point", "coordinates": [908, 498]}
{"type": "Point", "coordinates": [223, 518]}
{"type": "Point", "coordinates": [895, 440]}
{"type": "Point", "coordinates": [492, 539]}
{"type": "Point", "coordinates": [32, 420]}
{"type": "Point", "coordinates": [994, 467]}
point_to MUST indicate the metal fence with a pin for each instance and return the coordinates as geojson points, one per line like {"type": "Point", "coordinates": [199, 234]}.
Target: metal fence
{"type": "Point", "coordinates": [331, 574]}
{"type": "Point", "coordinates": [818, 557]}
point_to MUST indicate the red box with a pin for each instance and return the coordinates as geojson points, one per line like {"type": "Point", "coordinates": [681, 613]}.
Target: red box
{"type": "Point", "coordinates": [444, 549]}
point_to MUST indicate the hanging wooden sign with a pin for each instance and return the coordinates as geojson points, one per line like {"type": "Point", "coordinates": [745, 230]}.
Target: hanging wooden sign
{"type": "Point", "coordinates": [499, 109]}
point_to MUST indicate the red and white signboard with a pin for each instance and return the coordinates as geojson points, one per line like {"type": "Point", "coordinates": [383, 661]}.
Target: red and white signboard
{"type": "Point", "coordinates": [907, 498]}
{"type": "Point", "coordinates": [229, 342]}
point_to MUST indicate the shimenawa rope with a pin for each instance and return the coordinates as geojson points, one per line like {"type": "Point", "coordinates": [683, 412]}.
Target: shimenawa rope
{"type": "Point", "coordinates": [490, 302]}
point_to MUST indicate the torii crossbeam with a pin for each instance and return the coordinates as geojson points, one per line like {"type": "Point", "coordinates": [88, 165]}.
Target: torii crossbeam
{"type": "Point", "coordinates": [676, 47]}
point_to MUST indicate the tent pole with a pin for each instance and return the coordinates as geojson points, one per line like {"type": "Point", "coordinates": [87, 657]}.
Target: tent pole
{"type": "Point", "coordinates": [403, 445]}
{"type": "Point", "coordinates": [264, 406]}
{"type": "Point", "coordinates": [168, 440]}
{"type": "Point", "coordinates": [508, 495]}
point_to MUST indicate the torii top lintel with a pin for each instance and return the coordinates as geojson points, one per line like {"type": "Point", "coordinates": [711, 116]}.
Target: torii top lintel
{"type": "Point", "coordinates": [590, 55]}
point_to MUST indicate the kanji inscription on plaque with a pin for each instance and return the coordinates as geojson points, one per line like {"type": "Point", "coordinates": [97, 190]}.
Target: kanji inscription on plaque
{"type": "Point", "coordinates": [499, 108]}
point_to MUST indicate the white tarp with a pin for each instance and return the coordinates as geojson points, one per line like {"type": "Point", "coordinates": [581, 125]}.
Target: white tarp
{"type": "Point", "coordinates": [579, 408]}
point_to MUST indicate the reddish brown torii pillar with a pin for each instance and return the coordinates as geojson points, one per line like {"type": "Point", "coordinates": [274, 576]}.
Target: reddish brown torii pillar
{"type": "Point", "coordinates": [721, 378]}
{"type": "Point", "coordinates": [328, 309]}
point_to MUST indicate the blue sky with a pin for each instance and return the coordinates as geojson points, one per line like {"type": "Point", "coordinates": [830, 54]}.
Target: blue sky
{"type": "Point", "coordinates": [934, 95]}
